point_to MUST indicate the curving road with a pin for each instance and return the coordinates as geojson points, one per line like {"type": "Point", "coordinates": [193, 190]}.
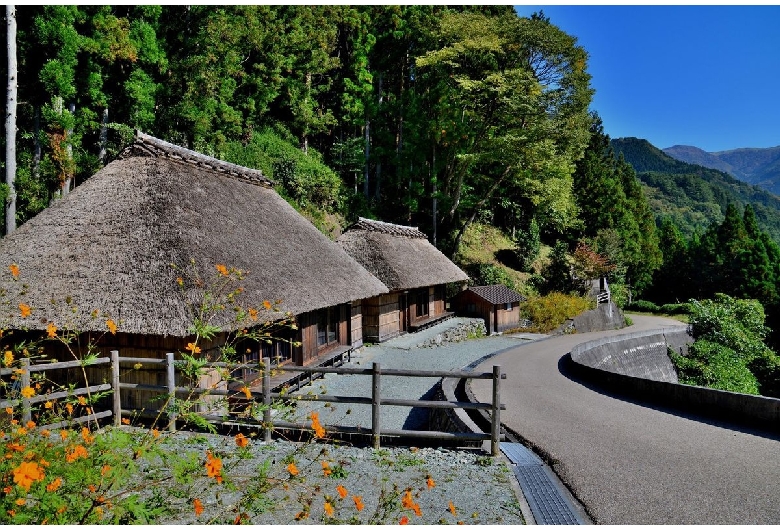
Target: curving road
{"type": "Point", "coordinates": [633, 464]}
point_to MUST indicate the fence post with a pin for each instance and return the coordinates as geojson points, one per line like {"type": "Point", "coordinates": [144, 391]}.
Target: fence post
{"type": "Point", "coordinates": [376, 401]}
{"type": "Point", "coordinates": [267, 399]}
{"type": "Point", "coordinates": [495, 426]}
{"type": "Point", "coordinates": [171, 376]}
{"type": "Point", "coordinates": [26, 411]}
{"type": "Point", "coordinates": [115, 386]}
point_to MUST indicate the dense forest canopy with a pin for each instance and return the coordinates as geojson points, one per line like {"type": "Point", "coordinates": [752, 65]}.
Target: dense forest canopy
{"type": "Point", "coordinates": [442, 117]}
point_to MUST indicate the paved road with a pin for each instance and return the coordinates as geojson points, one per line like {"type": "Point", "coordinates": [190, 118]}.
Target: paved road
{"type": "Point", "coordinates": [632, 464]}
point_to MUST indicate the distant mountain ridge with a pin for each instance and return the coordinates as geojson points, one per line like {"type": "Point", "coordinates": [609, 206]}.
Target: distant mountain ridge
{"type": "Point", "coordinates": [692, 195]}
{"type": "Point", "coordinates": [758, 166]}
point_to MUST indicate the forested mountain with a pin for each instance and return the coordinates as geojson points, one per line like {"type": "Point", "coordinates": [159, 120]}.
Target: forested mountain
{"type": "Point", "coordinates": [432, 116]}
{"type": "Point", "coordinates": [694, 196]}
{"type": "Point", "coordinates": [752, 165]}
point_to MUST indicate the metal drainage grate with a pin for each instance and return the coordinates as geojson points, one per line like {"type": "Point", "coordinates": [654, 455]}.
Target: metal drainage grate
{"type": "Point", "coordinates": [544, 498]}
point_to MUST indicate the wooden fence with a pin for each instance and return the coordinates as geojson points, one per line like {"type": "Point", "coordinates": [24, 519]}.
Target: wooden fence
{"type": "Point", "coordinates": [268, 398]}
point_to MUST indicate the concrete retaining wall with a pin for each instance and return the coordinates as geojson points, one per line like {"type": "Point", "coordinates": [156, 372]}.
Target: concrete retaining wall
{"type": "Point", "coordinates": [634, 365]}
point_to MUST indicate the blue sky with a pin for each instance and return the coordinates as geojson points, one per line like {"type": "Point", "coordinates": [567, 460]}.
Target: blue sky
{"type": "Point", "coordinates": [707, 76]}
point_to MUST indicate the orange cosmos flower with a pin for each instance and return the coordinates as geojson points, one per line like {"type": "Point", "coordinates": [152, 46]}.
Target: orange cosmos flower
{"type": "Point", "coordinates": [214, 467]}
{"type": "Point", "coordinates": [82, 401]}
{"type": "Point", "coordinates": [20, 502]}
{"type": "Point", "coordinates": [342, 491]}
{"type": "Point", "coordinates": [63, 435]}
{"type": "Point", "coordinates": [407, 501]}
{"type": "Point", "coordinates": [198, 506]}
{"type": "Point", "coordinates": [25, 310]}
{"type": "Point", "coordinates": [28, 392]}
{"type": "Point", "coordinates": [125, 421]}
{"type": "Point", "coordinates": [155, 433]}
{"type": "Point", "coordinates": [358, 503]}
{"type": "Point", "coordinates": [30, 424]}
{"type": "Point", "coordinates": [221, 269]}
{"type": "Point", "coordinates": [329, 509]}
{"type": "Point", "coordinates": [8, 358]}
{"type": "Point", "coordinates": [69, 408]}
{"type": "Point", "coordinates": [404, 520]}
{"type": "Point", "coordinates": [325, 468]}
{"type": "Point", "coordinates": [319, 431]}
{"type": "Point", "coordinates": [430, 483]}
{"type": "Point", "coordinates": [193, 347]}
{"type": "Point", "coordinates": [27, 473]}
{"type": "Point", "coordinates": [180, 281]}
{"type": "Point", "coordinates": [247, 392]}
{"type": "Point", "coordinates": [54, 485]}
{"type": "Point", "coordinates": [13, 446]}
{"type": "Point", "coordinates": [14, 268]}
{"type": "Point", "coordinates": [88, 438]}
{"type": "Point", "coordinates": [291, 469]}
{"type": "Point", "coordinates": [78, 452]}
{"type": "Point", "coordinates": [452, 509]}
{"type": "Point", "coordinates": [253, 313]}
{"type": "Point", "coordinates": [241, 440]}
{"type": "Point", "coordinates": [51, 330]}
{"type": "Point", "coordinates": [105, 469]}
{"type": "Point", "coordinates": [267, 304]}
{"type": "Point", "coordinates": [48, 405]}
{"type": "Point", "coordinates": [111, 325]}
{"type": "Point", "coordinates": [45, 433]}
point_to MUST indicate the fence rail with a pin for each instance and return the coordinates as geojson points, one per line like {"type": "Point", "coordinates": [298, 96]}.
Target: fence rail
{"type": "Point", "coordinates": [267, 398]}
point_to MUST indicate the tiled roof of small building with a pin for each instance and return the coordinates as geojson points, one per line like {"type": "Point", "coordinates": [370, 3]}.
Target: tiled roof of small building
{"type": "Point", "coordinates": [388, 228]}
{"type": "Point", "coordinates": [497, 294]}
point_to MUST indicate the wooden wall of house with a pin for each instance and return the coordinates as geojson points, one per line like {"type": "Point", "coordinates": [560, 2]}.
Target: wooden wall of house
{"type": "Point", "coordinates": [356, 325]}
{"type": "Point", "coordinates": [381, 320]}
{"type": "Point", "coordinates": [309, 350]}
{"type": "Point", "coordinates": [507, 318]}
{"type": "Point", "coordinates": [468, 304]}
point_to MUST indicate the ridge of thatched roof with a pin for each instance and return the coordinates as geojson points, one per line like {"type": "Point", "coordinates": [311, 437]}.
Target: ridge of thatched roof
{"type": "Point", "coordinates": [110, 243]}
{"type": "Point", "coordinates": [149, 146]}
{"type": "Point", "coordinates": [400, 256]}
{"type": "Point", "coordinates": [497, 294]}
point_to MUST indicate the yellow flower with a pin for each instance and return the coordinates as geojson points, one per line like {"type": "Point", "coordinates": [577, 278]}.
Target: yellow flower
{"type": "Point", "coordinates": [14, 268]}
{"type": "Point", "coordinates": [27, 473]}
{"type": "Point", "coordinates": [25, 310]}
{"type": "Point", "coordinates": [221, 269]}
{"type": "Point", "coordinates": [111, 325]}
{"type": "Point", "coordinates": [48, 405]}
{"type": "Point", "coordinates": [51, 330]}
{"type": "Point", "coordinates": [194, 348]}
{"type": "Point", "coordinates": [28, 392]}
{"type": "Point", "coordinates": [8, 358]}
{"type": "Point", "coordinates": [329, 509]}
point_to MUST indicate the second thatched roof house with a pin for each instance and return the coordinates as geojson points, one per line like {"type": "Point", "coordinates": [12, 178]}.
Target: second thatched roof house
{"type": "Point", "coordinates": [415, 272]}
{"type": "Point", "coordinates": [109, 245]}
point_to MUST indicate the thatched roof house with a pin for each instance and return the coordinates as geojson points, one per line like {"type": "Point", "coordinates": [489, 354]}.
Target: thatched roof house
{"type": "Point", "coordinates": [498, 305]}
{"type": "Point", "coordinates": [413, 270]}
{"type": "Point", "coordinates": [109, 245]}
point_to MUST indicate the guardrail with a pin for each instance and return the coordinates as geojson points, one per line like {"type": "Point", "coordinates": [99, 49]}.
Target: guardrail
{"type": "Point", "coordinates": [268, 398]}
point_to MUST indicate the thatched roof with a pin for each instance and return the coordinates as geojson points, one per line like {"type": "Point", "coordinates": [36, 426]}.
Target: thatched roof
{"type": "Point", "coordinates": [497, 294]}
{"type": "Point", "coordinates": [400, 256]}
{"type": "Point", "coordinates": [110, 243]}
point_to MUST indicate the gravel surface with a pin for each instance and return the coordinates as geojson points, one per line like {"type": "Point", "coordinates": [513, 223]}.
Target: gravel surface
{"type": "Point", "coordinates": [400, 353]}
{"type": "Point", "coordinates": [468, 487]}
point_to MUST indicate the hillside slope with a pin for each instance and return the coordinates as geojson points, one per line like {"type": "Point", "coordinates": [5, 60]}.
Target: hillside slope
{"type": "Point", "coordinates": [692, 195]}
{"type": "Point", "coordinates": [758, 166]}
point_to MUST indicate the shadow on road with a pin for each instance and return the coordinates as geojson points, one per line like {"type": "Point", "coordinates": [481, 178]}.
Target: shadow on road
{"type": "Point", "coordinates": [567, 368]}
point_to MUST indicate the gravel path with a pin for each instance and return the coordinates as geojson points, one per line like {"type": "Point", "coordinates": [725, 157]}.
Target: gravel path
{"type": "Point", "coordinates": [400, 353]}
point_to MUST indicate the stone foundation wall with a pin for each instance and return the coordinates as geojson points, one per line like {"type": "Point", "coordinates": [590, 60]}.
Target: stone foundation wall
{"type": "Point", "coordinates": [470, 328]}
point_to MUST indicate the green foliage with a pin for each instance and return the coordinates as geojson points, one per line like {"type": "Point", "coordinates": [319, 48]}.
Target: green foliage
{"type": "Point", "coordinates": [729, 351]}
{"type": "Point", "coordinates": [487, 274]}
{"type": "Point", "coordinates": [528, 244]}
{"type": "Point", "coordinates": [546, 313]}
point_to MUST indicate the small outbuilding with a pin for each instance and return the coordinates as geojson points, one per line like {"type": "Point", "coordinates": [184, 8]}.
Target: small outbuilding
{"type": "Point", "coordinates": [414, 271]}
{"type": "Point", "coordinates": [498, 305]}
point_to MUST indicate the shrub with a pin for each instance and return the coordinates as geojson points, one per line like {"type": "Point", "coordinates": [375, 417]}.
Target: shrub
{"type": "Point", "coordinates": [644, 306]}
{"type": "Point", "coordinates": [675, 309]}
{"type": "Point", "coordinates": [548, 312]}
{"type": "Point", "coordinates": [487, 274]}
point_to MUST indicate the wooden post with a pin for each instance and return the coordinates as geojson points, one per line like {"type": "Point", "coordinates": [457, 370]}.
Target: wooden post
{"type": "Point", "coordinates": [171, 373]}
{"type": "Point", "coordinates": [115, 386]}
{"type": "Point", "coordinates": [495, 427]}
{"type": "Point", "coordinates": [267, 399]}
{"type": "Point", "coordinates": [376, 401]}
{"type": "Point", "coordinates": [26, 411]}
